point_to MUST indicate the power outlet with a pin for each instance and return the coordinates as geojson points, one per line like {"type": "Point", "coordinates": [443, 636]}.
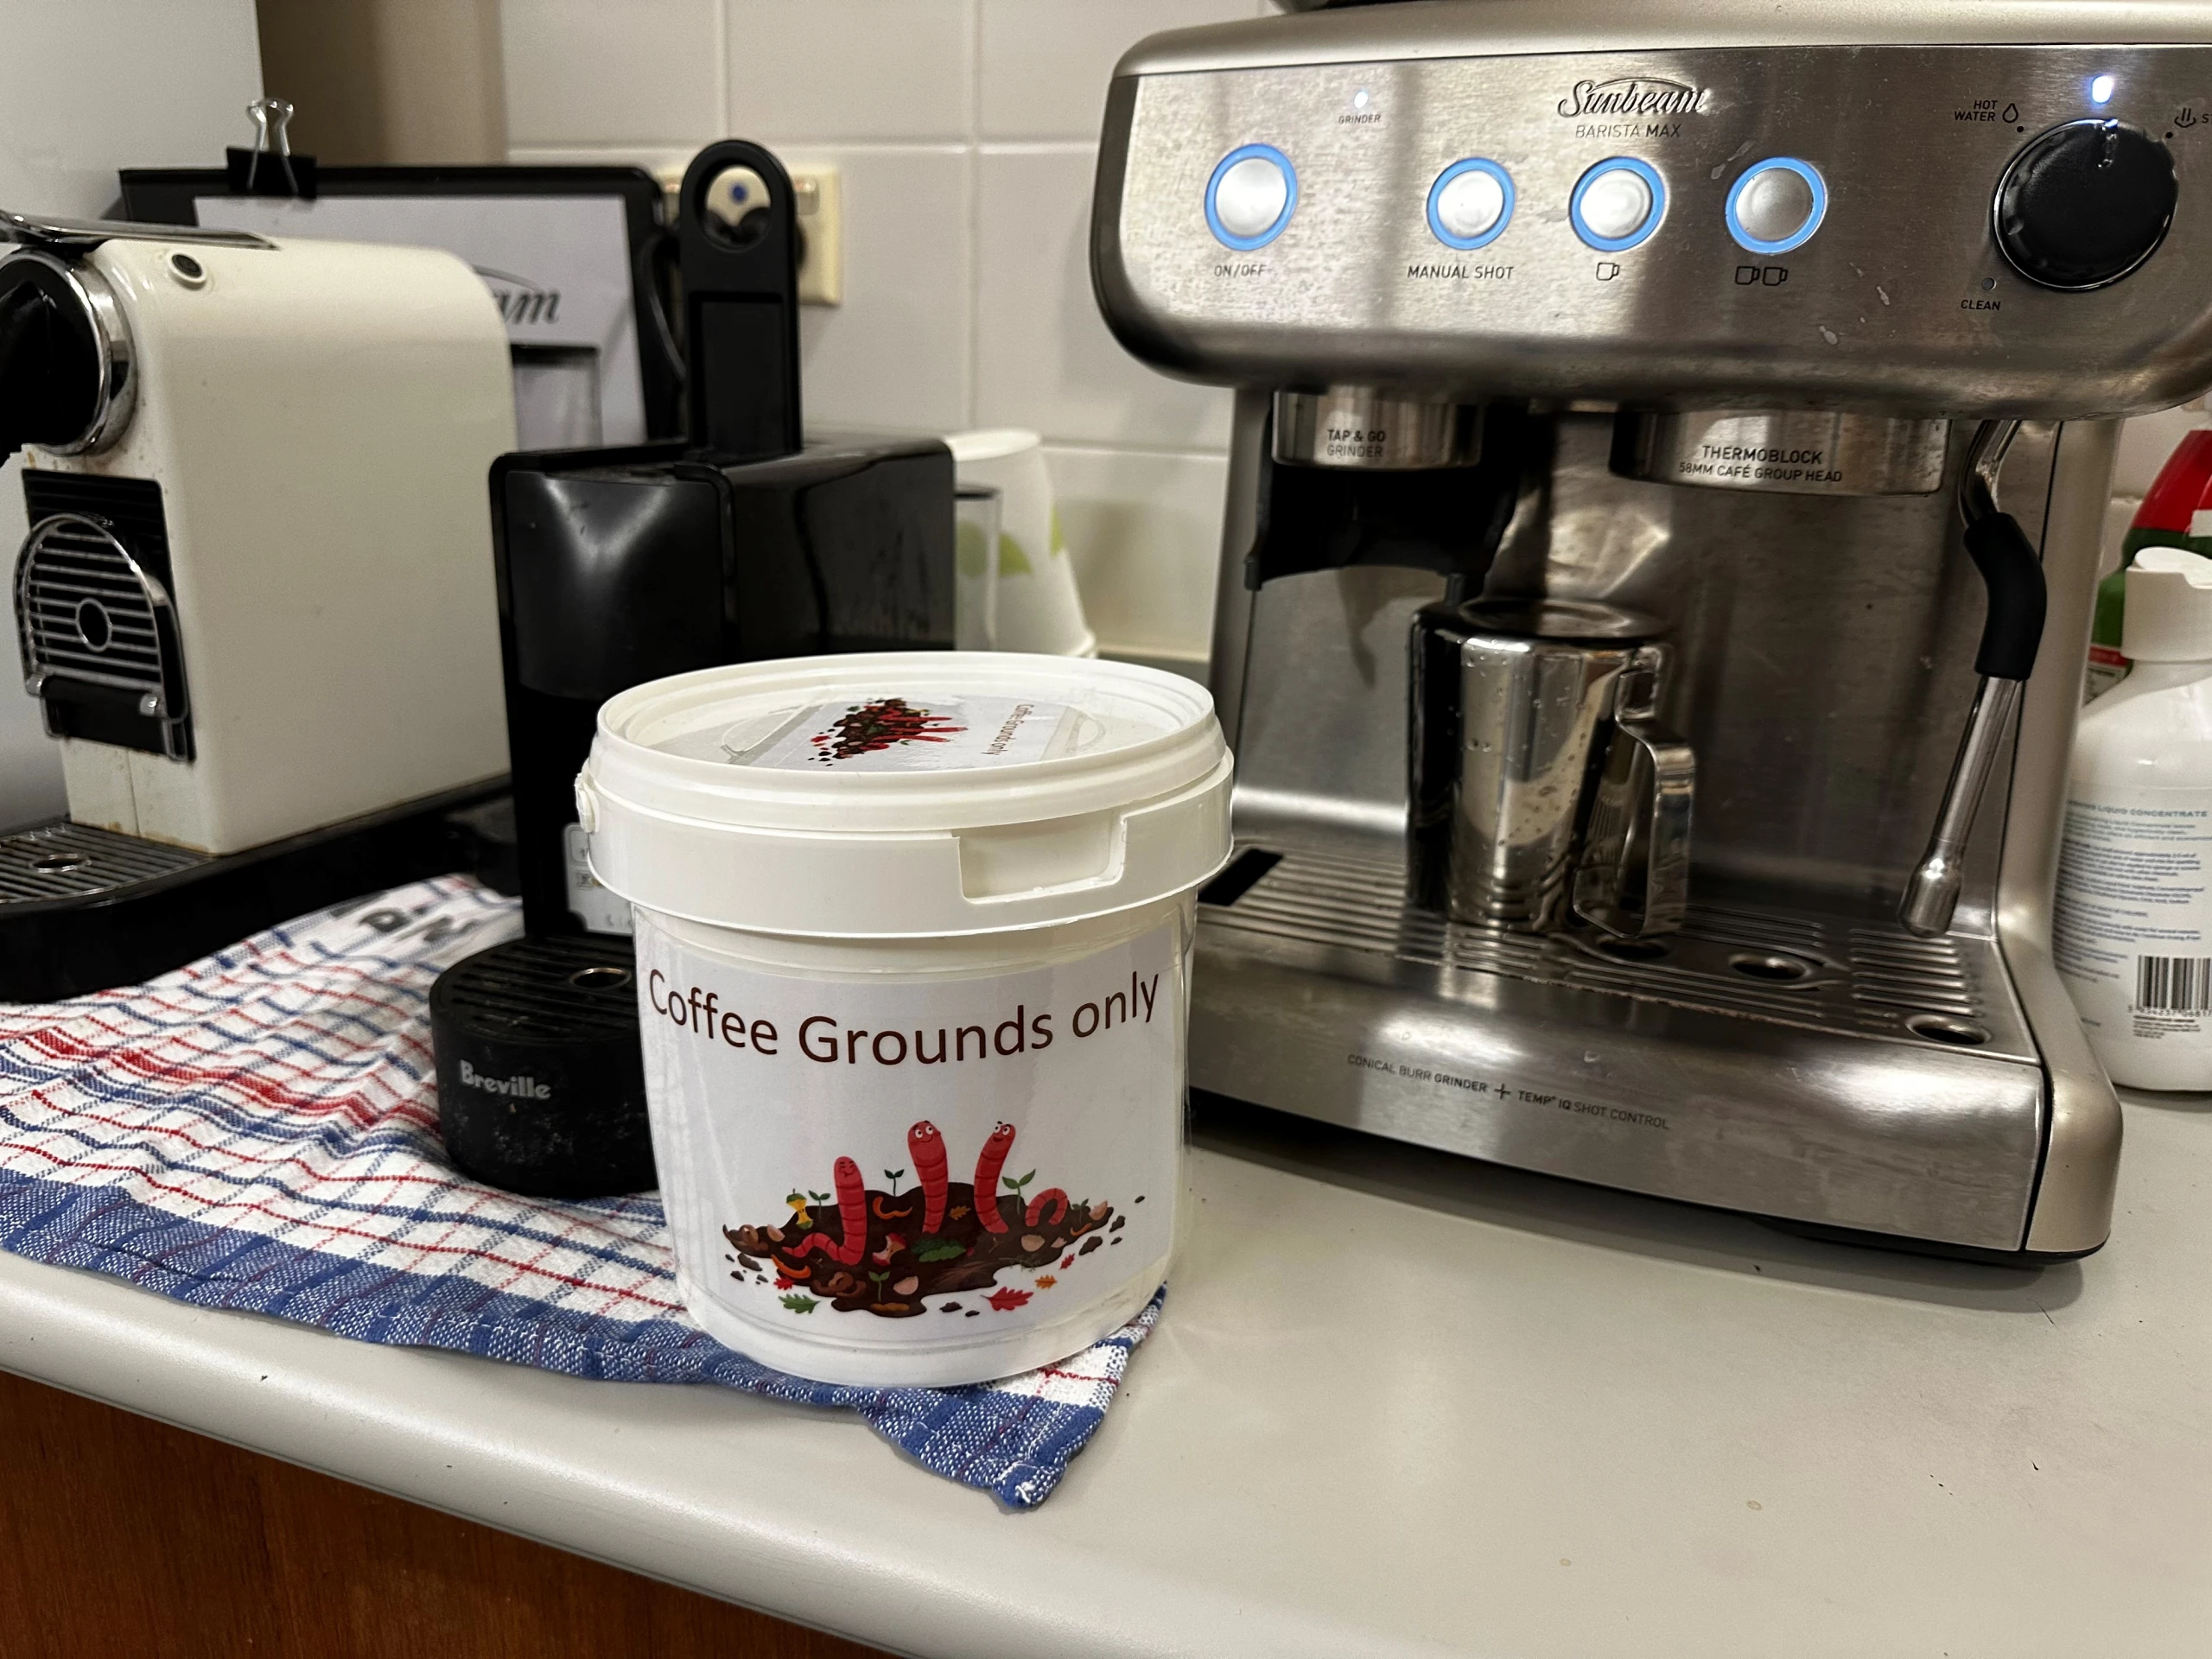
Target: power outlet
{"type": "Point", "coordinates": [821, 209]}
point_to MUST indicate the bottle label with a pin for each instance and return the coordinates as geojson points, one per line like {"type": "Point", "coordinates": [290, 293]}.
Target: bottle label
{"type": "Point", "coordinates": [890, 1164]}
{"type": "Point", "coordinates": [2107, 669]}
{"type": "Point", "coordinates": [2132, 933]}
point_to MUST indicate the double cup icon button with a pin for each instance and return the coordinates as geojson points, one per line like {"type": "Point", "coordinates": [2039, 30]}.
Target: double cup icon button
{"type": "Point", "coordinates": [1777, 205]}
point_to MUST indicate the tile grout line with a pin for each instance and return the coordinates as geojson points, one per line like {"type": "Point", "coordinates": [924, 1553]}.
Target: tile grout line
{"type": "Point", "coordinates": [972, 359]}
{"type": "Point", "coordinates": [721, 66]}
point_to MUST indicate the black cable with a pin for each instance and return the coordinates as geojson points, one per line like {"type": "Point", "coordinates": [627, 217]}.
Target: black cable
{"type": "Point", "coordinates": [648, 278]}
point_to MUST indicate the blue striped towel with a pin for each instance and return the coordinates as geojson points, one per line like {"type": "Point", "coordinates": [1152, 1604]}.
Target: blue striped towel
{"type": "Point", "coordinates": [259, 1131]}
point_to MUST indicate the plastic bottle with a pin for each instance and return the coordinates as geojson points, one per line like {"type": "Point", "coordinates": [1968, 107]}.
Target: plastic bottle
{"type": "Point", "coordinates": [2133, 934]}
{"type": "Point", "coordinates": [2177, 512]}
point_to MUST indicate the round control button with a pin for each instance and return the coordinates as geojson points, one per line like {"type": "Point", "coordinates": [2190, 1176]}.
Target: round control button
{"type": "Point", "coordinates": [1250, 196]}
{"type": "Point", "coordinates": [1777, 205]}
{"type": "Point", "coordinates": [2085, 203]}
{"type": "Point", "coordinates": [1470, 204]}
{"type": "Point", "coordinates": [1617, 204]}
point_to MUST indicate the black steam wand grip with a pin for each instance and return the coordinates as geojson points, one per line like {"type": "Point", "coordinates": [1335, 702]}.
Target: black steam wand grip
{"type": "Point", "coordinates": [2012, 630]}
{"type": "Point", "coordinates": [2012, 574]}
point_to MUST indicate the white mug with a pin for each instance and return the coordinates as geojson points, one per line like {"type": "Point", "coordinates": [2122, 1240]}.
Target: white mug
{"type": "Point", "coordinates": [975, 511]}
{"type": "Point", "coordinates": [1037, 606]}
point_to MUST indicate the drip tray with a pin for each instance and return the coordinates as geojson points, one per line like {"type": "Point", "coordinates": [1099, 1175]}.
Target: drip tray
{"type": "Point", "coordinates": [73, 860]}
{"type": "Point", "coordinates": [1791, 967]}
{"type": "Point", "coordinates": [84, 910]}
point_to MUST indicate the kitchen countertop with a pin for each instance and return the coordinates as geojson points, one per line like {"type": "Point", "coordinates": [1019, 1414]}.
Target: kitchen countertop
{"type": "Point", "coordinates": [1398, 1404]}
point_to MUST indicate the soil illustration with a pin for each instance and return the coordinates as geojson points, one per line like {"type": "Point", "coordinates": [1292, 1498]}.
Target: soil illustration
{"type": "Point", "coordinates": [870, 728]}
{"type": "Point", "coordinates": [882, 1251]}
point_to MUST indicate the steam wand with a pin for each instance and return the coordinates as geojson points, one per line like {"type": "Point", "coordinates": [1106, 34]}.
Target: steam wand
{"type": "Point", "coordinates": [2013, 573]}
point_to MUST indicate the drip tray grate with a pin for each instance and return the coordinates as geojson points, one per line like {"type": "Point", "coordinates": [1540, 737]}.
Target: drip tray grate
{"type": "Point", "coordinates": [1797, 968]}
{"type": "Point", "coordinates": [73, 860]}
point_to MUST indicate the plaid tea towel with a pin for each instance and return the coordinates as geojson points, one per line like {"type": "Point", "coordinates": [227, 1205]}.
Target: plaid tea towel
{"type": "Point", "coordinates": [259, 1130]}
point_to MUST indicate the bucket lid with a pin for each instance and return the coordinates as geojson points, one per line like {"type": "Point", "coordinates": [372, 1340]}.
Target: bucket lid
{"type": "Point", "coordinates": [907, 793]}
{"type": "Point", "coordinates": [2168, 618]}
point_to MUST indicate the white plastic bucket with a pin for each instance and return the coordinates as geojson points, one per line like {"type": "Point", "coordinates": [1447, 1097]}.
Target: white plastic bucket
{"type": "Point", "coordinates": [911, 927]}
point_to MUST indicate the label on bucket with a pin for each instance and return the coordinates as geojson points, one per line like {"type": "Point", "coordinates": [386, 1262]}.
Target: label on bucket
{"type": "Point", "coordinates": [877, 1165]}
{"type": "Point", "coordinates": [900, 735]}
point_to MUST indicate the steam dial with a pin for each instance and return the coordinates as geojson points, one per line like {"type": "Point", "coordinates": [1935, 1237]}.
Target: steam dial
{"type": "Point", "coordinates": [2084, 204]}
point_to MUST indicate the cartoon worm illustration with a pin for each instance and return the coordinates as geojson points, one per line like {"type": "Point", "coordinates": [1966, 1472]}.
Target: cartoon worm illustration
{"type": "Point", "coordinates": [1050, 1195]}
{"type": "Point", "coordinates": [852, 1210]}
{"type": "Point", "coordinates": [989, 1163]}
{"type": "Point", "coordinates": [926, 1145]}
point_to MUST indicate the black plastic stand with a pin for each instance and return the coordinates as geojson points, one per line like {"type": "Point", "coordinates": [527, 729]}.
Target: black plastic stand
{"type": "Point", "coordinates": [85, 909]}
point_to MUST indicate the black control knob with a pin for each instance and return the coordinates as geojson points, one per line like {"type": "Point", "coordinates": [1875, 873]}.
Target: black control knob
{"type": "Point", "coordinates": [2085, 203]}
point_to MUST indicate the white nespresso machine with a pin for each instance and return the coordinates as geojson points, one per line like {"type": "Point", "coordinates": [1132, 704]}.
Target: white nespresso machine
{"type": "Point", "coordinates": [1668, 472]}
{"type": "Point", "coordinates": [256, 598]}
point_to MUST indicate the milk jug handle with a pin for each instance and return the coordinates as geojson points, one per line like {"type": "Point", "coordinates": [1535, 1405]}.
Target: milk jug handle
{"type": "Point", "coordinates": [1639, 831]}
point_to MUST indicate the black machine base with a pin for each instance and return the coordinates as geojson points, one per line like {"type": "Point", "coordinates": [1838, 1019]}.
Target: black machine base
{"type": "Point", "coordinates": [541, 1079]}
{"type": "Point", "coordinates": [85, 909]}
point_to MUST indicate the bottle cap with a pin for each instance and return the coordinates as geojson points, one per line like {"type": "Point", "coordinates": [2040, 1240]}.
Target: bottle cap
{"type": "Point", "coordinates": [2169, 617]}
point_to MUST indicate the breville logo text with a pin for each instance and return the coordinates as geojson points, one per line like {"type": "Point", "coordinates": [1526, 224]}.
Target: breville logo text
{"type": "Point", "coordinates": [1632, 96]}
{"type": "Point", "coordinates": [522, 1087]}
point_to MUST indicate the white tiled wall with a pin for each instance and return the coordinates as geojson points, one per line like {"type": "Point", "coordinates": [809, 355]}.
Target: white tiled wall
{"type": "Point", "coordinates": [966, 132]}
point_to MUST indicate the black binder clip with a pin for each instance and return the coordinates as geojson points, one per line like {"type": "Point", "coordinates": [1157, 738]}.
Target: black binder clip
{"type": "Point", "coordinates": [270, 168]}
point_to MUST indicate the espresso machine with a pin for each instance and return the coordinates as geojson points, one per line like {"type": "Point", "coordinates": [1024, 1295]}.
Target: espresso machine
{"type": "Point", "coordinates": [1668, 475]}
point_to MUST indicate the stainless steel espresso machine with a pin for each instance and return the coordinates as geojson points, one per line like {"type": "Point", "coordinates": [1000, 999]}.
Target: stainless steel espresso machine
{"type": "Point", "coordinates": [1669, 472]}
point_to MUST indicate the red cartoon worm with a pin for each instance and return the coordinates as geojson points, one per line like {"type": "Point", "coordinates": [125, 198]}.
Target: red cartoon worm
{"type": "Point", "coordinates": [852, 1210]}
{"type": "Point", "coordinates": [1050, 1195]}
{"type": "Point", "coordinates": [987, 1165]}
{"type": "Point", "coordinates": [926, 1147]}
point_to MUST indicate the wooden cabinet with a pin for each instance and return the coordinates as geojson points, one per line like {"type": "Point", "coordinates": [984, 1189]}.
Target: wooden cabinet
{"type": "Point", "coordinates": [122, 1536]}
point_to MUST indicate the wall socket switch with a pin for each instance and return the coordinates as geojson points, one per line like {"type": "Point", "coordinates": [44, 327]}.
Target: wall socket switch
{"type": "Point", "coordinates": [820, 204]}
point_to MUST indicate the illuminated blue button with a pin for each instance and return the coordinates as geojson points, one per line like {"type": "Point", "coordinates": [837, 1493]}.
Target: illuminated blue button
{"type": "Point", "coordinates": [1251, 196]}
{"type": "Point", "coordinates": [1778, 204]}
{"type": "Point", "coordinates": [1470, 204]}
{"type": "Point", "coordinates": [1617, 204]}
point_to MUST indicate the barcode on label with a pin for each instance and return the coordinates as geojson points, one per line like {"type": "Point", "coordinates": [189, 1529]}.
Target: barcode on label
{"type": "Point", "coordinates": [2173, 984]}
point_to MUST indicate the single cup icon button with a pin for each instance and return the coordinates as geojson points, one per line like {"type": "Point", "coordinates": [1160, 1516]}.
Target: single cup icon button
{"type": "Point", "coordinates": [1617, 204]}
